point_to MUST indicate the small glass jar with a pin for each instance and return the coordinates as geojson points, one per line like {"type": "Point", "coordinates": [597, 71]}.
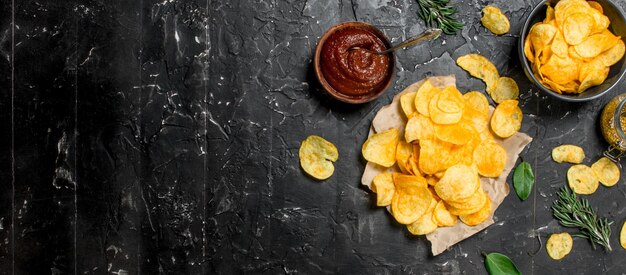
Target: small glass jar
{"type": "Point", "coordinates": [612, 124]}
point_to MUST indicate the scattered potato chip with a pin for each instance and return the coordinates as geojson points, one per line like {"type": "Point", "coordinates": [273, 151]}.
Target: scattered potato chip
{"type": "Point", "coordinates": [424, 225]}
{"type": "Point", "coordinates": [459, 133]}
{"type": "Point", "coordinates": [568, 153]}
{"type": "Point", "coordinates": [559, 245]}
{"type": "Point", "coordinates": [407, 103]}
{"type": "Point", "coordinates": [442, 216]}
{"type": "Point", "coordinates": [410, 203]}
{"type": "Point", "coordinates": [622, 236]}
{"type": "Point", "coordinates": [494, 20]}
{"type": "Point", "coordinates": [506, 119]}
{"type": "Point", "coordinates": [480, 67]}
{"type": "Point", "coordinates": [478, 217]}
{"type": "Point", "coordinates": [582, 180]}
{"type": "Point", "coordinates": [403, 181]}
{"type": "Point", "coordinates": [458, 182]}
{"type": "Point", "coordinates": [607, 171]}
{"type": "Point", "coordinates": [490, 158]}
{"type": "Point", "coordinates": [384, 188]}
{"type": "Point", "coordinates": [419, 127]}
{"type": "Point", "coordinates": [404, 151]}
{"type": "Point", "coordinates": [447, 106]}
{"type": "Point", "coordinates": [317, 156]}
{"type": "Point", "coordinates": [423, 96]}
{"type": "Point", "coordinates": [380, 148]}
{"type": "Point", "coordinates": [506, 90]}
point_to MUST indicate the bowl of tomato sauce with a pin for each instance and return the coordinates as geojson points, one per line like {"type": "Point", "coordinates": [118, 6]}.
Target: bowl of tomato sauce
{"type": "Point", "coordinates": [354, 75]}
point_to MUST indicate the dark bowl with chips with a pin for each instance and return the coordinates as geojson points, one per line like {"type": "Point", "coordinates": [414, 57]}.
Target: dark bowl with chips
{"type": "Point", "coordinates": [616, 73]}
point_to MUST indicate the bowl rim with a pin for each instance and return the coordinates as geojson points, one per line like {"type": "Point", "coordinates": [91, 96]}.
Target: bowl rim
{"type": "Point", "coordinates": [536, 82]}
{"type": "Point", "coordinates": [320, 76]}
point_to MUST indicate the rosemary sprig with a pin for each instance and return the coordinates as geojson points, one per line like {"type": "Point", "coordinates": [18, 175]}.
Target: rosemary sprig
{"type": "Point", "coordinates": [573, 212]}
{"type": "Point", "coordinates": [439, 12]}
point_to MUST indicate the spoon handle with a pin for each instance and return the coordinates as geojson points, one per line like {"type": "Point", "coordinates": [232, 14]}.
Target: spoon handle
{"type": "Point", "coordinates": [426, 35]}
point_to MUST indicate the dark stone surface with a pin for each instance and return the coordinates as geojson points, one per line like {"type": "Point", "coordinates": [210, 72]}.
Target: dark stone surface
{"type": "Point", "coordinates": [161, 137]}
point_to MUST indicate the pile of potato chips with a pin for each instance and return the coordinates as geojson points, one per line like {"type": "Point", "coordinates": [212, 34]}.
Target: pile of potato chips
{"type": "Point", "coordinates": [581, 178]}
{"type": "Point", "coordinates": [499, 88]}
{"type": "Point", "coordinates": [572, 49]}
{"type": "Point", "coordinates": [447, 145]}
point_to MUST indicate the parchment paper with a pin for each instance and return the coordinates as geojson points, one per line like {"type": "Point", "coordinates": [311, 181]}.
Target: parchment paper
{"type": "Point", "coordinates": [391, 116]}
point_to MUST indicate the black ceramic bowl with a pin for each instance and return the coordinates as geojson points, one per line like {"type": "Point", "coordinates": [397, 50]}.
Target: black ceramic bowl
{"type": "Point", "coordinates": [618, 27]}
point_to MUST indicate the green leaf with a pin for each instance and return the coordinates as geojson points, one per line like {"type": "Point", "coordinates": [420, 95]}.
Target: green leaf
{"type": "Point", "coordinates": [498, 264]}
{"type": "Point", "coordinates": [523, 180]}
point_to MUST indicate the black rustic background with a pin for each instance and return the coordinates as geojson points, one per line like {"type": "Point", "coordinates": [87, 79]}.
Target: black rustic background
{"type": "Point", "coordinates": [162, 137]}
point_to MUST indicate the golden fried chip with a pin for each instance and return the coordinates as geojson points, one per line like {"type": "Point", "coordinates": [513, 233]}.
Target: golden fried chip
{"type": "Point", "coordinates": [582, 179]}
{"type": "Point", "coordinates": [480, 67]}
{"type": "Point", "coordinates": [541, 35]}
{"type": "Point", "coordinates": [622, 236]}
{"type": "Point", "coordinates": [424, 225]}
{"type": "Point", "coordinates": [559, 46]}
{"type": "Point", "coordinates": [384, 188]}
{"type": "Point", "coordinates": [419, 127]}
{"type": "Point", "coordinates": [404, 181]}
{"type": "Point", "coordinates": [472, 205]}
{"type": "Point", "coordinates": [443, 217]}
{"type": "Point", "coordinates": [506, 90]}
{"type": "Point", "coordinates": [568, 153]}
{"type": "Point", "coordinates": [478, 217]}
{"type": "Point", "coordinates": [459, 182]}
{"type": "Point", "coordinates": [490, 158]}
{"type": "Point", "coordinates": [549, 14]}
{"type": "Point", "coordinates": [436, 155]}
{"type": "Point", "coordinates": [407, 103]}
{"type": "Point", "coordinates": [601, 22]}
{"type": "Point", "coordinates": [423, 96]}
{"type": "Point", "coordinates": [528, 50]}
{"type": "Point", "coordinates": [612, 55]}
{"type": "Point", "coordinates": [506, 119]}
{"type": "Point", "coordinates": [577, 27]}
{"type": "Point", "coordinates": [595, 44]}
{"type": "Point", "coordinates": [459, 133]}
{"type": "Point", "coordinates": [494, 20]}
{"type": "Point", "coordinates": [563, 8]}
{"type": "Point", "coordinates": [432, 181]}
{"type": "Point", "coordinates": [476, 110]}
{"type": "Point", "coordinates": [404, 151]}
{"type": "Point", "coordinates": [410, 203]}
{"type": "Point", "coordinates": [447, 106]}
{"type": "Point", "coordinates": [594, 79]}
{"type": "Point", "coordinates": [317, 156]}
{"type": "Point", "coordinates": [595, 5]}
{"type": "Point", "coordinates": [380, 148]}
{"type": "Point", "coordinates": [560, 70]}
{"type": "Point", "coordinates": [606, 171]}
{"type": "Point", "coordinates": [559, 245]}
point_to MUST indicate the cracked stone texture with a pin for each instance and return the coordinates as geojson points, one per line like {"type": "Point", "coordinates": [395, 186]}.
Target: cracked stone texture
{"type": "Point", "coordinates": [162, 137]}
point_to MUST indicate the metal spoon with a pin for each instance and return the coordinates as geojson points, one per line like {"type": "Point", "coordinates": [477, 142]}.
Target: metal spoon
{"type": "Point", "coordinates": [426, 35]}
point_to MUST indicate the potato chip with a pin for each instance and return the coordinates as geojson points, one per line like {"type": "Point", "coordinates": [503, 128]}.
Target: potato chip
{"type": "Point", "coordinates": [404, 151]}
{"type": "Point", "coordinates": [494, 20]}
{"type": "Point", "coordinates": [384, 188]}
{"type": "Point", "coordinates": [507, 89]}
{"type": "Point", "coordinates": [436, 155]}
{"type": "Point", "coordinates": [612, 55]}
{"type": "Point", "coordinates": [549, 14]}
{"type": "Point", "coordinates": [601, 22]}
{"type": "Point", "coordinates": [424, 225]}
{"type": "Point", "coordinates": [447, 106]}
{"type": "Point", "coordinates": [528, 50]}
{"type": "Point", "coordinates": [594, 79]}
{"type": "Point", "coordinates": [606, 171]}
{"type": "Point", "coordinates": [419, 127]}
{"type": "Point", "coordinates": [405, 181]}
{"type": "Point", "coordinates": [380, 148]}
{"type": "Point", "coordinates": [559, 46]}
{"type": "Point", "coordinates": [476, 107]}
{"type": "Point", "coordinates": [506, 119]}
{"type": "Point", "coordinates": [490, 158]}
{"type": "Point", "coordinates": [561, 9]}
{"type": "Point", "coordinates": [423, 96]}
{"type": "Point", "coordinates": [559, 245]}
{"type": "Point", "coordinates": [432, 180]}
{"type": "Point", "coordinates": [473, 205]}
{"type": "Point", "coordinates": [478, 217]}
{"type": "Point", "coordinates": [560, 70]}
{"type": "Point", "coordinates": [459, 133]}
{"type": "Point", "coordinates": [317, 156]}
{"type": "Point", "coordinates": [582, 179]}
{"type": "Point", "coordinates": [577, 27]}
{"type": "Point", "coordinates": [413, 167]}
{"type": "Point", "coordinates": [443, 217]}
{"type": "Point", "coordinates": [458, 182]}
{"type": "Point", "coordinates": [407, 103]}
{"type": "Point", "coordinates": [410, 203]}
{"type": "Point", "coordinates": [568, 153]}
{"type": "Point", "coordinates": [622, 236]}
{"type": "Point", "coordinates": [480, 67]}
{"type": "Point", "coordinates": [595, 44]}
{"type": "Point", "coordinates": [541, 35]}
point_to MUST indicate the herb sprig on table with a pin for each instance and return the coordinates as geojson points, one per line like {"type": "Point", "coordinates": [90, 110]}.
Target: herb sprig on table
{"type": "Point", "coordinates": [441, 13]}
{"type": "Point", "coordinates": [573, 212]}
